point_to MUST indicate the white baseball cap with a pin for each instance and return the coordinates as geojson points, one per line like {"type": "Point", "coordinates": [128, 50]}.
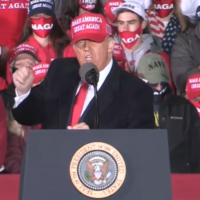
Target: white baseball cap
{"type": "Point", "coordinates": [145, 3]}
{"type": "Point", "coordinates": [131, 6]}
{"type": "Point", "coordinates": [188, 7]}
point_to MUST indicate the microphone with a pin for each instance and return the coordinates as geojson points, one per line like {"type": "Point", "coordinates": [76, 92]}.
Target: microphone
{"type": "Point", "coordinates": [90, 74]}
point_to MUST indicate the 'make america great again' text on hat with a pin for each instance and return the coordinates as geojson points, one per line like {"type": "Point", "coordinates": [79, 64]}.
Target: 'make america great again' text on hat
{"type": "Point", "coordinates": [41, 6]}
{"type": "Point", "coordinates": [90, 26]}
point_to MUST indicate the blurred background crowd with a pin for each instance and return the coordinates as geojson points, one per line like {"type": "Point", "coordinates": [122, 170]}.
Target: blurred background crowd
{"type": "Point", "coordinates": [155, 40]}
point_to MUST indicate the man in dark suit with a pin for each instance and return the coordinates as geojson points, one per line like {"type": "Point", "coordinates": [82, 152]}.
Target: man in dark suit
{"type": "Point", "coordinates": [62, 101]}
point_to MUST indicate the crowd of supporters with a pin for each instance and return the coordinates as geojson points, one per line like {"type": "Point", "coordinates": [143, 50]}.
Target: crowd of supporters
{"type": "Point", "coordinates": [156, 40]}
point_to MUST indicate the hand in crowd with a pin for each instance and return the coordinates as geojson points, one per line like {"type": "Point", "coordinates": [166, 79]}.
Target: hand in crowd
{"type": "Point", "coordinates": [23, 80]}
{"type": "Point", "coordinates": [81, 126]}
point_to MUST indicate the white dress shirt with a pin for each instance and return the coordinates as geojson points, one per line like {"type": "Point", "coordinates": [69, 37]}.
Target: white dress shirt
{"type": "Point", "coordinates": [90, 93]}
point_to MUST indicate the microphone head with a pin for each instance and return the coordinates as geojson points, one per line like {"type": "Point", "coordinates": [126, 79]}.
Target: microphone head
{"type": "Point", "coordinates": [89, 73]}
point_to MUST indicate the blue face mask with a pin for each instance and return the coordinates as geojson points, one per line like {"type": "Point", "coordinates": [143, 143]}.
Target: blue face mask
{"type": "Point", "coordinates": [159, 95]}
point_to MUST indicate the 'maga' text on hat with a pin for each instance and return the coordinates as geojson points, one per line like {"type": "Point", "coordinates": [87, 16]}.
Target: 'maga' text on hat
{"type": "Point", "coordinates": [156, 64]}
{"type": "Point", "coordinates": [86, 19]}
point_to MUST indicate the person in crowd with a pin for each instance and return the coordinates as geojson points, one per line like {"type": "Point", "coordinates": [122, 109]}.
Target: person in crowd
{"type": "Point", "coordinates": [25, 56]}
{"type": "Point", "coordinates": [78, 7]}
{"type": "Point", "coordinates": [111, 18]}
{"type": "Point", "coordinates": [59, 7]}
{"type": "Point", "coordinates": [43, 31]}
{"type": "Point", "coordinates": [74, 9]}
{"type": "Point", "coordinates": [185, 54]}
{"type": "Point", "coordinates": [188, 8]}
{"type": "Point", "coordinates": [166, 22]}
{"type": "Point", "coordinates": [132, 22]}
{"type": "Point", "coordinates": [174, 113]}
{"type": "Point", "coordinates": [118, 54]}
{"type": "Point", "coordinates": [3, 136]}
{"type": "Point", "coordinates": [69, 102]}
{"type": "Point", "coordinates": [11, 28]}
{"type": "Point", "coordinates": [193, 89]}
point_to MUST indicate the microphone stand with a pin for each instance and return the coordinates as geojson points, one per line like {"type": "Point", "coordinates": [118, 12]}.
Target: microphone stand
{"type": "Point", "coordinates": [96, 125]}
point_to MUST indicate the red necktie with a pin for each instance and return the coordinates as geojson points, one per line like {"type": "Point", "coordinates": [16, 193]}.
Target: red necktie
{"type": "Point", "coordinates": [78, 104]}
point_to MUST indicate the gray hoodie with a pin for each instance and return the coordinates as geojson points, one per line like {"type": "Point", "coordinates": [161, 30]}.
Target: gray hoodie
{"type": "Point", "coordinates": [149, 43]}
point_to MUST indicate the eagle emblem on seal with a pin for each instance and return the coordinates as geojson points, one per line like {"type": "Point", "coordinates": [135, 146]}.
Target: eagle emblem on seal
{"type": "Point", "coordinates": [97, 170]}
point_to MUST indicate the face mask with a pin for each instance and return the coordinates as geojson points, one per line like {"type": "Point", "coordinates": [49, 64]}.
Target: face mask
{"type": "Point", "coordinates": [87, 4]}
{"type": "Point", "coordinates": [159, 95]}
{"type": "Point", "coordinates": [164, 7]}
{"type": "Point", "coordinates": [42, 26]}
{"type": "Point", "coordinates": [129, 39]}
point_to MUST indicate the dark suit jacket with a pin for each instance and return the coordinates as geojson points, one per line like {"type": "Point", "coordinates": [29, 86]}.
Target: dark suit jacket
{"type": "Point", "coordinates": [124, 100]}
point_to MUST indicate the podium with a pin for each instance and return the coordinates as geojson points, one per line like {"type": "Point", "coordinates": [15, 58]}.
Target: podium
{"type": "Point", "coordinates": [96, 164]}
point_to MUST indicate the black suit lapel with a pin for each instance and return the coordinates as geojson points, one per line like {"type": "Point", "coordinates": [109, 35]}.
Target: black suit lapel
{"type": "Point", "coordinates": [105, 96]}
{"type": "Point", "coordinates": [67, 97]}
{"type": "Point", "coordinates": [66, 101]}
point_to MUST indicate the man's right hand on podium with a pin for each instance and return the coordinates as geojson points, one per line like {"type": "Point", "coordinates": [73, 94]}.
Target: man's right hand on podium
{"type": "Point", "coordinates": [23, 80]}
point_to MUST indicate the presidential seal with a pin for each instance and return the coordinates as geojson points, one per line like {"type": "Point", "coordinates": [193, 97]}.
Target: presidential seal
{"type": "Point", "coordinates": [97, 170]}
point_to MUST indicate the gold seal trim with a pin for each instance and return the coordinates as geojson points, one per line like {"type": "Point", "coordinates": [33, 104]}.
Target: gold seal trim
{"type": "Point", "coordinates": [102, 147]}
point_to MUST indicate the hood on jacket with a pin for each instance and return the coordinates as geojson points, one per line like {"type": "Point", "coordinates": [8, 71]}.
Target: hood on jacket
{"type": "Point", "coordinates": [149, 43]}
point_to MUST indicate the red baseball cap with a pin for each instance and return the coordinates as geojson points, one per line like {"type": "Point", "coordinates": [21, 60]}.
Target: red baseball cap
{"type": "Point", "coordinates": [87, 5]}
{"type": "Point", "coordinates": [23, 48]}
{"type": "Point", "coordinates": [108, 8]}
{"type": "Point", "coordinates": [90, 26]}
{"type": "Point", "coordinates": [193, 86]}
{"type": "Point", "coordinates": [39, 70]}
{"type": "Point", "coordinates": [119, 52]}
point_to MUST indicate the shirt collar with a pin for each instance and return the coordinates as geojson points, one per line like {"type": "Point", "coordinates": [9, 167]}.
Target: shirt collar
{"type": "Point", "coordinates": [104, 73]}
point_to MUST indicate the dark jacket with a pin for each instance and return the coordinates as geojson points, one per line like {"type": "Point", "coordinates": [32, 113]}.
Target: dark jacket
{"type": "Point", "coordinates": [180, 118]}
{"type": "Point", "coordinates": [124, 100]}
{"type": "Point", "coordinates": [3, 133]}
{"type": "Point", "coordinates": [184, 57]}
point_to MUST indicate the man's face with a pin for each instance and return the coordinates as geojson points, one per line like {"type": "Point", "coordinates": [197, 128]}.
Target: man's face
{"type": "Point", "coordinates": [97, 53]}
{"type": "Point", "coordinates": [24, 60]}
{"type": "Point", "coordinates": [157, 86]}
{"type": "Point", "coordinates": [128, 21]}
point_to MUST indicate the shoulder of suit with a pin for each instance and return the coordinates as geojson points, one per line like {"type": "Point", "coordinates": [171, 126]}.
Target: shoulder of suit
{"type": "Point", "coordinates": [63, 66]}
{"type": "Point", "coordinates": [133, 83]}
